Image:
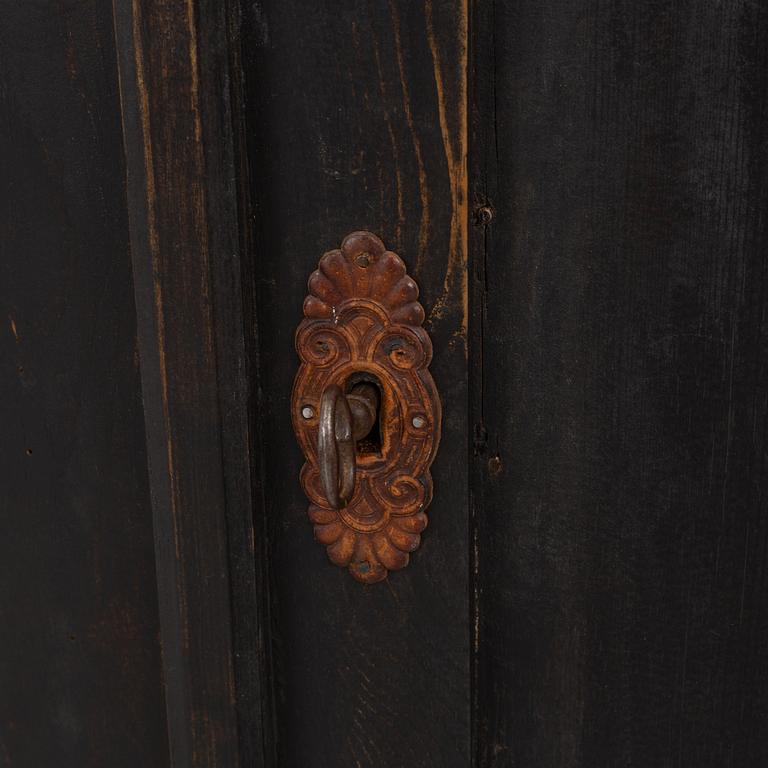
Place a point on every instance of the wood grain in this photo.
(355, 122)
(618, 377)
(178, 74)
(80, 677)
(591, 590)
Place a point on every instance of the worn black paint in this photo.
(343, 107)
(620, 298)
(591, 589)
(177, 76)
(80, 677)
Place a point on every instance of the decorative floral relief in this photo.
(362, 317)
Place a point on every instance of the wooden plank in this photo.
(178, 80)
(357, 120)
(80, 676)
(620, 400)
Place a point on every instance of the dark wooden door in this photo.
(357, 119)
(80, 661)
(579, 190)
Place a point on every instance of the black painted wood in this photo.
(357, 121)
(619, 376)
(591, 588)
(80, 680)
(178, 67)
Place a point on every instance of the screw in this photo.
(363, 260)
(307, 411)
(495, 465)
(483, 215)
(418, 421)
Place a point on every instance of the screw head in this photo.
(418, 422)
(307, 411)
(483, 215)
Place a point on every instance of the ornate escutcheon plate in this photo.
(363, 321)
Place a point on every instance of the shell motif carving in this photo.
(363, 319)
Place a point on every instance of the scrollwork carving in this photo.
(362, 318)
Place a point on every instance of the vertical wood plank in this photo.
(80, 676)
(357, 120)
(178, 64)
(619, 383)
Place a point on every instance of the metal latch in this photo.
(365, 408)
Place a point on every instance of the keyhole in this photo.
(365, 397)
(371, 443)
